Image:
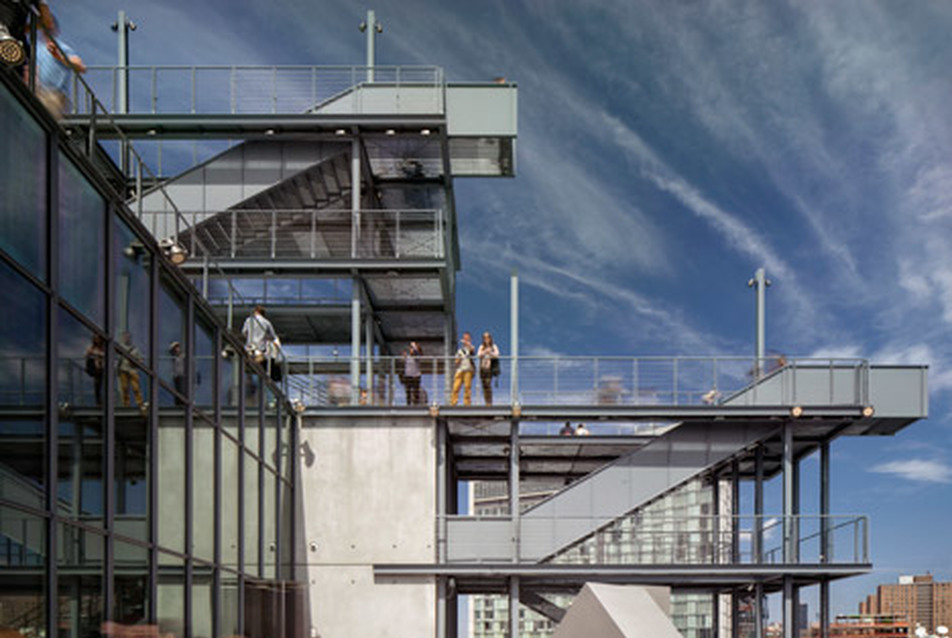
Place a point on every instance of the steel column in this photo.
(789, 547)
(513, 607)
(759, 610)
(758, 540)
(789, 613)
(355, 196)
(824, 609)
(355, 342)
(369, 349)
(514, 489)
(825, 544)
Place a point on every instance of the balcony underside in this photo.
(493, 578)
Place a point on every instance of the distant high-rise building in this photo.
(919, 598)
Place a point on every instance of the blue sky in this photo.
(666, 150)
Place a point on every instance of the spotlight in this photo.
(12, 52)
(175, 252)
(796, 411)
(868, 411)
(390, 131)
(298, 406)
(340, 131)
(425, 131)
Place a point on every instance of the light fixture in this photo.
(868, 411)
(425, 131)
(12, 52)
(390, 131)
(174, 251)
(270, 131)
(298, 406)
(796, 411)
(340, 131)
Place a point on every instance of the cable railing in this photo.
(236, 90)
(306, 233)
(725, 540)
(581, 380)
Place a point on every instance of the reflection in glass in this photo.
(80, 558)
(79, 486)
(286, 500)
(22, 162)
(22, 340)
(172, 340)
(171, 479)
(205, 358)
(202, 599)
(269, 528)
(228, 605)
(22, 593)
(230, 489)
(132, 262)
(81, 365)
(271, 452)
(203, 494)
(250, 502)
(129, 379)
(252, 421)
(132, 470)
(82, 232)
(228, 386)
(131, 597)
(170, 597)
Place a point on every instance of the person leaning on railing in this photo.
(55, 60)
(488, 356)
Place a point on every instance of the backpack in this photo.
(494, 368)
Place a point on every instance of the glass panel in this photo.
(228, 605)
(131, 596)
(22, 162)
(172, 342)
(269, 524)
(132, 261)
(79, 485)
(82, 232)
(205, 358)
(81, 366)
(171, 478)
(230, 491)
(202, 597)
(252, 421)
(23, 556)
(132, 455)
(250, 502)
(80, 558)
(287, 527)
(22, 340)
(170, 599)
(203, 494)
(270, 453)
(229, 383)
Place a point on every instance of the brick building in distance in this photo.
(919, 598)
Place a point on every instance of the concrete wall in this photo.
(369, 496)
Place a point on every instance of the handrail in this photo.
(600, 380)
(275, 89)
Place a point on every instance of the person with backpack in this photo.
(488, 356)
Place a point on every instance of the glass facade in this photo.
(140, 482)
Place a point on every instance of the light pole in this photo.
(122, 26)
(760, 283)
(371, 27)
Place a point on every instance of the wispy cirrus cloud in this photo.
(919, 470)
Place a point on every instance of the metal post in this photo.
(760, 283)
(825, 545)
(369, 349)
(355, 343)
(759, 610)
(513, 607)
(514, 489)
(514, 337)
(789, 548)
(758, 544)
(824, 609)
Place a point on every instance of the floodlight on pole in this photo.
(12, 52)
(371, 27)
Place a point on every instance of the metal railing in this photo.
(670, 540)
(579, 380)
(270, 89)
(306, 233)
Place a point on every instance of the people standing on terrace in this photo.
(464, 371)
(258, 333)
(55, 62)
(411, 372)
(488, 366)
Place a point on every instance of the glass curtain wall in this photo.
(145, 473)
